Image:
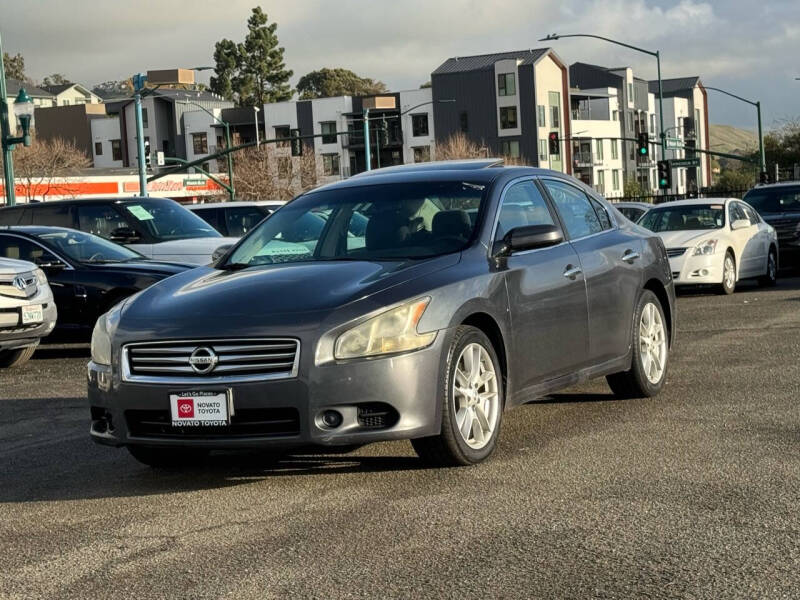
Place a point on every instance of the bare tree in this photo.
(271, 173)
(41, 166)
(459, 146)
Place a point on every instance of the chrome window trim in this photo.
(205, 382)
(67, 264)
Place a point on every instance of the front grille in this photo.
(245, 422)
(786, 229)
(673, 252)
(233, 360)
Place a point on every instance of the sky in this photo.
(746, 47)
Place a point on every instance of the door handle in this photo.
(630, 256)
(80, 292)
(572, 272)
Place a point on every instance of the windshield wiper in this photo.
(235, 266)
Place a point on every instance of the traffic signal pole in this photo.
(138, 84)
(368, 162)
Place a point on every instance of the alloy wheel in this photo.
(729, 272)
(652, 343)
(476, 396)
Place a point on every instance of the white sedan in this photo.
(715, 241)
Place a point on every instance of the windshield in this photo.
(776, 200)
(684, 218)
(88, 248)
(167, 220)
(376, 222)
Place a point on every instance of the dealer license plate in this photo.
(200, 409)
(32, 314)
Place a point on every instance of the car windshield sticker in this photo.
(140, 212)
(716, 206)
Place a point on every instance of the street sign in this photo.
(160, 158)
(684, 162)
(674, 143)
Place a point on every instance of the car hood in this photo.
(145, 267)
(259, 296)
(192, 247)
(10, 266)
(683, 239)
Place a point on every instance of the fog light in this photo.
(331, 418)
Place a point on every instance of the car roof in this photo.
(646, 205)
(124, 200)
(35, 230)
(780, 184)
(439, 165)
(695, 202)
(235, 204)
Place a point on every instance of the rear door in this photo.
(611, 263)
(546, 293)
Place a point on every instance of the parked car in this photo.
(234, 219)
(158, 228)
(88, 274)
(779, 205)
(427, 328)
(27, 311)
(633, 210)
(715, 241)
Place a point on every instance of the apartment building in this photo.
(507, 102)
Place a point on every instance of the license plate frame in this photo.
(192, 408)
(32, 313)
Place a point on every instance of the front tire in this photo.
(728, 285)
(10, 359)
(167, 458)
(770, 278)
(472, 403)
(648, 370)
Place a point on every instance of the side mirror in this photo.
(124, 235)
(740, 224)
(528, 237)
(220, 252)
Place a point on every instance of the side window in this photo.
(19, 249)
(751, 214)
(523, 205)
(10, 216)
(100, 219)
(53, 216)
(579, 217)
(602, 214)
(736, 212)
(242, 220)
(209, 215)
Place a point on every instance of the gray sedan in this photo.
(469, 291)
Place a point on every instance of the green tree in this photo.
(15, 66)
(114, 89)
(326, 83)
(782, 145)
(253, 72)
(55, 79)
(427, 84)
(633, 188)
(734, 179)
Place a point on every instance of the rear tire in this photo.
(650, 359)
(10, 359)
(770, 278)
(728, 285)
(167, 458)
(472, 403)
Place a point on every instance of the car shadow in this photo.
(55, 351)
(575, 398)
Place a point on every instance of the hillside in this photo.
(726, 138)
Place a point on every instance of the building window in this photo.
(506, 84)
(652, 124)
(508, 117)
(615, 115)
(200, 143)
(510, 148)
(599, 150)
(282, 132)
(630, 92)
(284, 167)
(145, 122)
(614, 149)
(116, 149)
(422, 154)
(697, 124)
(541, 115)
(328, 129)
(98, 148)
(419, 125)
(542, 148)
(601, 181)
(615, 179)
(330, 164)
(554, 98)
(464, 122)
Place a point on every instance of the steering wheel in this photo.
(96, 255)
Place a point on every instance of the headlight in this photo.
(40, 276)
(101, 335)
(706, 247)
(393, 331)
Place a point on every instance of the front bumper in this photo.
(696, 270)
(388, 398)
(19, 336)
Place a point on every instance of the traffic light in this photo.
(555, 146)
(664, 175)
(297, 143)
(643, 145)
(147, 158)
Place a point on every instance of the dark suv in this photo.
(779, 205)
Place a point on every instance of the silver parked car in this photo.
(469, 291)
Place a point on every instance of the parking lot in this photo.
(691, 494)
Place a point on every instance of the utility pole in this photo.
(368, 163)
(138, 85)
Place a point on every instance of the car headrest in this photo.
(451, 223)
(385, 229)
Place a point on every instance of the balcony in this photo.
(585, 159)
(355, 139)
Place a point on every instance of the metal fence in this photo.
(660, 198)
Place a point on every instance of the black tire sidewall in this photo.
(466, 335)
(637, 369)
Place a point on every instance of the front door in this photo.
(546, 294)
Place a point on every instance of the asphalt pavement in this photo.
(693, 494)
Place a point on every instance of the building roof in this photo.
(57, 89)
(194, 95)
(13, 86)
(673, 86)
(460, 64)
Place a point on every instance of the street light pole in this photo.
(368, 162)
(138, 85)
(757, 104)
